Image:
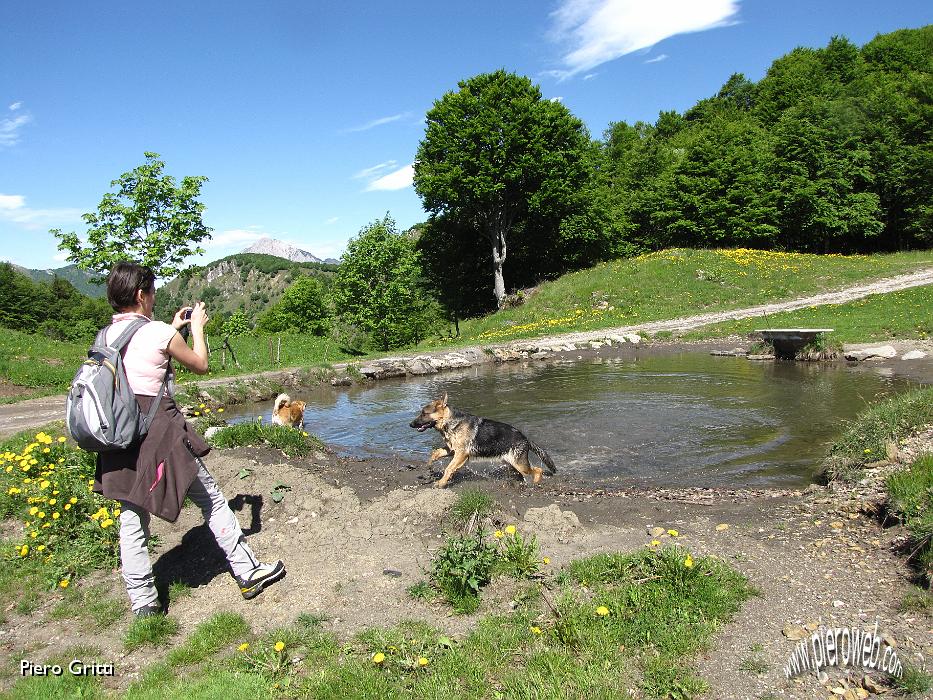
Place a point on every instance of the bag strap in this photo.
(124, 338)
(158, 399)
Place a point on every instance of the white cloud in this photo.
(13, 209)
(375, 170)
(10, 126)
(376, 122)
(332, 220)
(233, 237)
(557, 99)
(590, 76)
(657, 59)
(397, 180)
(597, 31)
(60, 257)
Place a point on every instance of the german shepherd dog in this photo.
(466, 436)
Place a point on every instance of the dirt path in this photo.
(817, 557)
(36, 412)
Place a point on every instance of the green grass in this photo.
(910, 499)
(292, 442)
(156, 630)
(64, 687)
(893, 316)
(469, 503)
(679, 282)
(43, 365)
(89, 605)
(864, 439)
(914, 681)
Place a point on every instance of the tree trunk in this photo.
(498, 258)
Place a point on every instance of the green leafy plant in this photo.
(462, 567)
(518, 557)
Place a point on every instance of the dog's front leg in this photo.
(437, 454)
(460, 458)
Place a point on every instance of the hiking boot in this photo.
(147, 611)
(256, 580)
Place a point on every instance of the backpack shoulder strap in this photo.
(127, 334)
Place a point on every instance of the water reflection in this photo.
(686, 419)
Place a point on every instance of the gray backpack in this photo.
(101, 410)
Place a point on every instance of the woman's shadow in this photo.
(197, 559)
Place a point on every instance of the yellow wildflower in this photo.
(279, 646)
(63, 583)
(24, 550)
(498, 534)
(602, 611)
(547, 561)
(33, 510)
(53, 501)
(67, 506)
(378, 657)
(73, 499)
(654, 543)
(62, 439)
(243, 647)
(422, 661)
(673, 533)
(535, 630)
(688, 562)
(510, 529)
(220, 410)
(107, 523)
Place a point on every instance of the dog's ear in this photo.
(443, 401)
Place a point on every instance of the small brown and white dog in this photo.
(288, 412)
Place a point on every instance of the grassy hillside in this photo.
(679, 282)
(249, 281)
(80, 279)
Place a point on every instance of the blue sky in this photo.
(306, 116)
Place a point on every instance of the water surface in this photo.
(681, 419)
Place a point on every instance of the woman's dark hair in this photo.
(124, 280)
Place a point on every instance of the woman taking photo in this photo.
(154, 476)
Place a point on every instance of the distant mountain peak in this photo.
(281, 249)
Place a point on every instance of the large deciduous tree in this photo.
(148, 219)
(496, 151)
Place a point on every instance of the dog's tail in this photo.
(282, 400)
(545, 457)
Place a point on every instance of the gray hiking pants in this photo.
(134, 538)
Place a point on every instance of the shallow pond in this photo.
(658, 419)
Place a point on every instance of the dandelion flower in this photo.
(602, 611)
(243, 647)
(73, 499)
(62, 438)
(423, 661)
(33, 510)
(673, 533)
(56, 515)
(197, 413)
(654, 543)
(63, 583)
(107, 523)
(498, 534)
(546, 561)
(220, 410)
(24, 550)
(688, 562)
(510, 529)
(535, 630)
(378, 657)
(279, 646)
(67, 506)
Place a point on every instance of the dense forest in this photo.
(831, 151)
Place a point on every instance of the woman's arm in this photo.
(194, 358)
